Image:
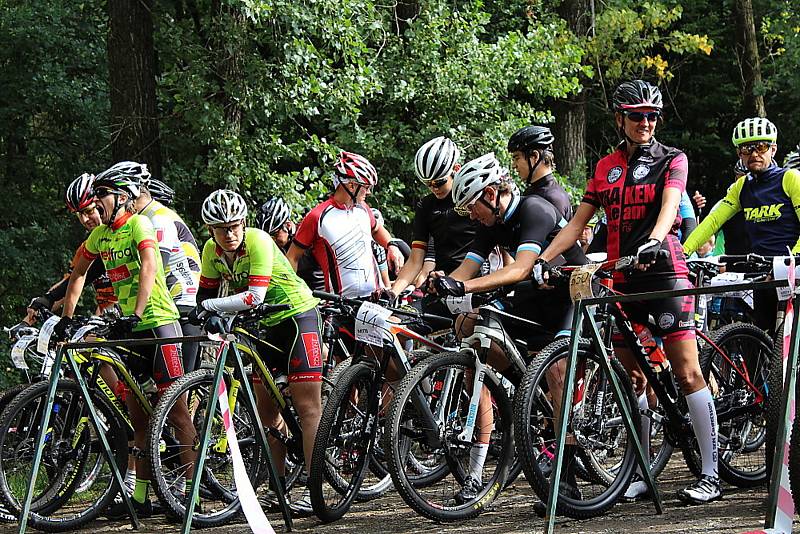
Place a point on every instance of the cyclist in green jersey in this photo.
(127, 245)
(256, 271)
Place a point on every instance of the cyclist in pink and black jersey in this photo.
(639, 185)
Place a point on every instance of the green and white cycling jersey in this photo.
(119, 246)
(179, 253)
(259, 272)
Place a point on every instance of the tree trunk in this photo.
(570, 113)
(747, 51)
(132, 72)
(404, 12)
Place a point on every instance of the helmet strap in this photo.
(532, 167)
(352, 194)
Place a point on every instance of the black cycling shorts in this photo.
(293, 346)
(673, 317)
(164, 363)
(550, 308)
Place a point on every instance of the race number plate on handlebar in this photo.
(46, 332)
(580, 282)
(371, 325)
(780, 271)
(18, 351)
(459, 304)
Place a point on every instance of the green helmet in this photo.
(754, 129)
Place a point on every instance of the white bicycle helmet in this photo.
(754, 129)
(124, 177)
(435, 159)
(792, 160)
(223, 206)
(272, 215)
(472, 179)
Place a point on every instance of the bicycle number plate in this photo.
(18, 351)
(43, 345)
(371, 325)
(580, 282)
(780, 271)
(459, 304)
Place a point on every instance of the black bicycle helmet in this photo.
(637, 94)
(161, 191)
(530, 138)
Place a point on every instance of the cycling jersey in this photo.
(118, 246)
(258, 264)
(630, 191)
(549, 189)
(96, 275)
(340, 239)
(771, 205)
(178, 251)
(688, 218)
(436, 220)
(529, 223)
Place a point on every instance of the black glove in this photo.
(646, 254)
(383, 294)
(198, 315)
(14, 331)
(40, 302)
(122, 327)
(541, 272)
(60, 329)
(215, 325)
(448, 286)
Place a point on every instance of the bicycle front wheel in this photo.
(175, 430)
(72, 448)
(442, 386)
(593, 433)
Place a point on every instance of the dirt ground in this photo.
(739, 511)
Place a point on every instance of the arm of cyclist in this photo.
(411, 269)
(511, 274)
(147, 276)
(791, 186)
(719, 215)
(688, 217)
(261, 259)
(77, 279)
(395, 258)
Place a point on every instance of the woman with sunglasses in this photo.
(639, 186)
(435, 218)
(769, 196)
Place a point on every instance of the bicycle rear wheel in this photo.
(72, 446)
(535, 423)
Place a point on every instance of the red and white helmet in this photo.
(351, 167)
(79, 193)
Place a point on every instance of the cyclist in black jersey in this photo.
(436, 220)
(532, 156)
(523, 226)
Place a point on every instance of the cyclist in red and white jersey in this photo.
(340, 230)
(640, 185)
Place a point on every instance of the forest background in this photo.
(259, 96)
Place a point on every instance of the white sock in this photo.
(644, 429)
(704, 421)
(130, 481)
(477, 456)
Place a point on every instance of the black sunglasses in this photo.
(439, 182)
(638, 116)
(100, 193)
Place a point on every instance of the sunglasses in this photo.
(761, 147)
(435, 184)
(639, 116)
(87, 210)
(101, 193)
(230, 229)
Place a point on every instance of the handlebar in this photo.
(356, 303)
